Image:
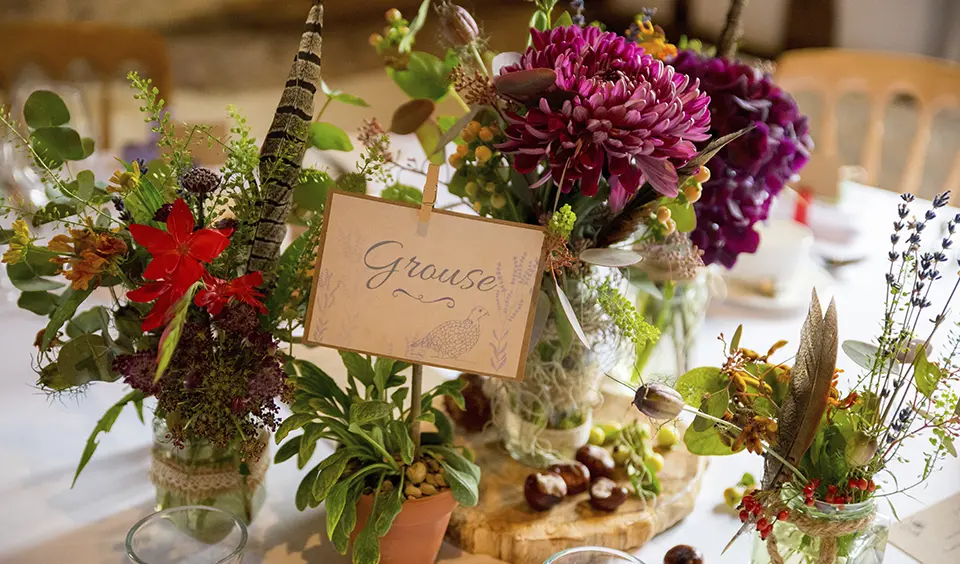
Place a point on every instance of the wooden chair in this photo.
(54, 46)
(831, 73)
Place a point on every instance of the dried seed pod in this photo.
(658, 401)
(597, 460)
(607, 495)
(457, 25)
(543, 490)
(575, 475)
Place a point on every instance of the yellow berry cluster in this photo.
(396, 29)
(691, 192)
(474, 161)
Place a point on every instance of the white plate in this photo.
(795, 296)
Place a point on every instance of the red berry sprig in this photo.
(751, 507)
(809, 492)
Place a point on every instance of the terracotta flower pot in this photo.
(417, 531)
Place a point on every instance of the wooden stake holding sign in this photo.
(425, 286)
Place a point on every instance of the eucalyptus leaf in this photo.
(44, 108)
(411, 115)
(429, 136)
(567, 309)
(61, 143)
(312, 195)
(540, 317)
(705, 443)
(38, 302)
(563, 20)
(611, 257)
(328, 137)
(683, 215)
(402, 193)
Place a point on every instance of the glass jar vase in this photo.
(198, 473)
(676, 308)
(846, 534)
(545, 417)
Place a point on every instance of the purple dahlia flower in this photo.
(748, 173)
(613, 109)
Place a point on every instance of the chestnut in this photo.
(574, 474)
(607, 495)
(597, 460)
(543, 490)
(683, 554)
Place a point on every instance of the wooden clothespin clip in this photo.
(429, 198)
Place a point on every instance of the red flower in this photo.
(218, 293)
(165, 292)
(178, 251)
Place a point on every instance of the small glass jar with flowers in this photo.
(828, 453)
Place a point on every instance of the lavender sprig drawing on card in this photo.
(510, 302)
(324, 296)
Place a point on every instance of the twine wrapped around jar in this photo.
(828, 531)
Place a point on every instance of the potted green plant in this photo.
(389, 489)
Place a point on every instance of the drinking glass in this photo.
(592, 555)
(170, 537)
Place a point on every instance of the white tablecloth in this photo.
(43, 521)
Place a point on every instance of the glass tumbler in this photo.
(169, 537)
(592, 555)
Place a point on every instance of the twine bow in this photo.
(828, 531)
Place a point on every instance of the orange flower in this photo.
(88, 253)
(754, 433)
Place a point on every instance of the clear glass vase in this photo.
(197, 473)
(545, 417)
(863, 538)
(676, 308)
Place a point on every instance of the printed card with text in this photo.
(456, 292)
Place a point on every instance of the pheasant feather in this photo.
(806, 399)
(285, 144)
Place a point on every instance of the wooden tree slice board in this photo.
(504, 527)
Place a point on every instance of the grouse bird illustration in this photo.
(453, 338)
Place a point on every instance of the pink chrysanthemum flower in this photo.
(612, 111)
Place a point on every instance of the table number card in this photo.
(452, 291)
(932, 536)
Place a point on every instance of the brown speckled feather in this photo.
(285, 144)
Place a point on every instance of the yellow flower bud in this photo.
(663, 214)
(477, 206)
(498, 201)
(468, 136)
(455, 160)
(671, 226)
(486, 135)
(692, 193)
(483, 154)
(462, 150)
(403, 30)
(490, 187)
(666, 438)
(703, 174)
(474, 127)
(375, 39)
(393, 15)
(472, 189)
